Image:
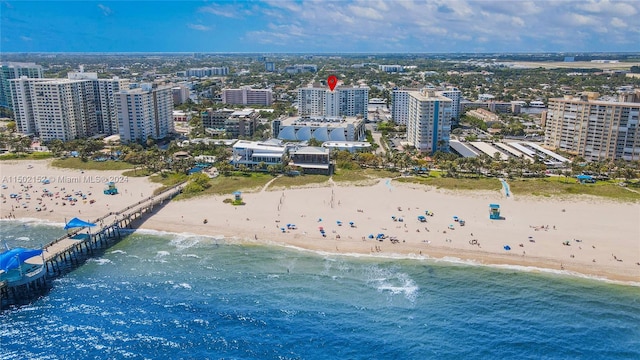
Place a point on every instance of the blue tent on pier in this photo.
(12, 259)
(76, 223)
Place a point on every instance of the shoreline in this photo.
(532, 266)
(537, 230)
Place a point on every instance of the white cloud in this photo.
(106, 11)
(365, 12)
(619, 23)
(447, 25)
(222, 10)
(620, 8)
(25, 38)
(199, 27)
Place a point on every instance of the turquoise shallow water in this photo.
(166, 295)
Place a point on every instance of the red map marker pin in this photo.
(332, 81)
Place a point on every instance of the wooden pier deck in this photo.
(71, 250)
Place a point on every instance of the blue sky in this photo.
(320, 26)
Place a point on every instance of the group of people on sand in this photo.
(541, 227)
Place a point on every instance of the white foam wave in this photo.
(452, 260)
(390, 280)
(162, 253)
(101, 261)
(35, 221)
(23, 238)
(185, 242)
(118, 252)
(182, 286)
(176, 234)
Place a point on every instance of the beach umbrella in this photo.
(320, 219)
(371, 236)
(507, 247)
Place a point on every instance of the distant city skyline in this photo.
(282, 26)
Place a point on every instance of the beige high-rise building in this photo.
(245, 95)
(593, 129)
(66, 109)
(145, 112)
(429, 121)
(342, 101)
(61, 109)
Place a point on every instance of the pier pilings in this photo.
(70, 251)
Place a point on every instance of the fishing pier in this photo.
(71, 250)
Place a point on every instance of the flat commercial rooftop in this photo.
(512, 151)
(550, 153)
(462, 149)
(334, 121)
(489, 149)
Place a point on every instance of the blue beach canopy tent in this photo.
(585, 179)
(12, 259)
(75, 223)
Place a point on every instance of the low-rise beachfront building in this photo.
(345, 128)
(312, 159)
(350, 146)
(255, 153)
(484, 115)
(232, 122)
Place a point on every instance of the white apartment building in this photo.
(594, 129)
(15, 70)
(247, 96)
(22, 102)
(61, 109)
(206, 72)
(400, 103)
(339, 102)
(145, 112)
(180, 94)
(354, 101)
(311, 101)
(455, 95)
(104, 99)
(429, 121)
(391, 68)
(332, 103)
(301, 68)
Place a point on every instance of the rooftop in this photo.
(320, 121)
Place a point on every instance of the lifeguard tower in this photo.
(494, 212)
(111, 189)
(237, 198)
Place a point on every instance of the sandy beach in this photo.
(585, 235)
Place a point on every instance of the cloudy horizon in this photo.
(302, 26)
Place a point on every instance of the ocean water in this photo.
(155, 296)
